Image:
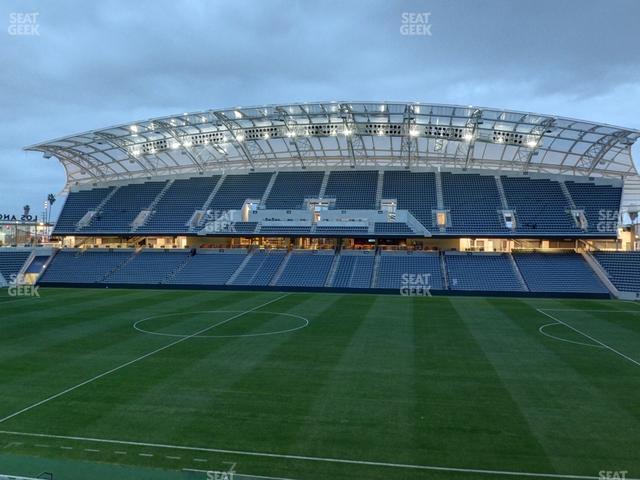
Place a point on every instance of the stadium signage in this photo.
(9, 217)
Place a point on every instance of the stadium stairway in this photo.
(281, 268)
(603, 275)
(332, 271)
(241, 267)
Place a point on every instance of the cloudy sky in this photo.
(94, 64)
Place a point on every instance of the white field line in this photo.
(635, 362)
(237, 475)
(587, 310)
(310, 459)
(135, 360)
(542, 331)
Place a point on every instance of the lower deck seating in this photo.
(558, 273)
(11, 263)
(91, 266)
(260, 268)
(402, 269)
(354, 271)
(148, 267)
(393, 270)
(209, 268)
(306, 269)
(482, 272)
(623, 269)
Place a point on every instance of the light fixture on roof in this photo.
(499, 140)
(347, 132)
(134, 128)
(468, 136)
(237, 113)
(414, 132)
(291, 134)
(380, 132)
(532, 143)
(266, 136)
(240, 137)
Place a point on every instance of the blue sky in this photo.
(95, 64)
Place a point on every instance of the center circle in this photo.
(296, 322)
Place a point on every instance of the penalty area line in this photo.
(136, 360)
(343, 461)
(635, 362)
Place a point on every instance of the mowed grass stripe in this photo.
(575, 422)
(470, 417)
(75, 342)
(267, 406)
(117, 368)
(369, 391)
(453, 382)
(183, 381)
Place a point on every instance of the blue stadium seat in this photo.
(260, 268)
(11, 262)
(244, 227)
(623, 269)
(393, 228)
(482, 272)
(89, 266)
(341, 230)
(354, 270)
(149, 267)
(291, 188)
(353, 189)
(540, 206)
(123, 207)
(178, 204)
(237, 188)
(600, 203)
(76, 206)
(211, 268)
(306, 269)
(558, 273)
(415, 192)
(284, 230)
(396, 267)
(473, 202)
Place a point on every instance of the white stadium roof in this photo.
(345, 134)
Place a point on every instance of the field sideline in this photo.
(170, 384)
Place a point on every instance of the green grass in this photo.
(452, 382)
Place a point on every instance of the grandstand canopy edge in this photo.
(345, 134)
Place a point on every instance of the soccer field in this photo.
(172, 384)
